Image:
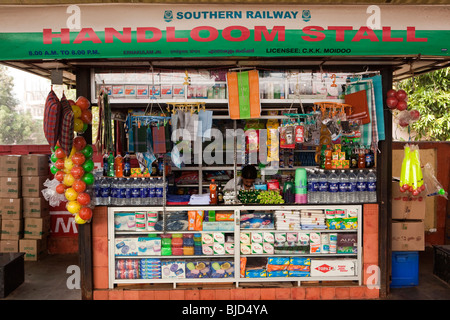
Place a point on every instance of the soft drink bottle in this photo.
(111, 172)
(212, 192)
(126, 165)
(118, 166)
(105, 165)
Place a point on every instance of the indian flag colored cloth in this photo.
(243, 95)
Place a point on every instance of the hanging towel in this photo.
(66, 131)
(243, 95)
(378, 94)
(140, 138)
(205, 124)
(358, 101)
(159, 139)
(191, 125)
(52, 118)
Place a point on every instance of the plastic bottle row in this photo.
(342, 186)
(129, 191)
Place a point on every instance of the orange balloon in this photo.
(60, 154)
(59, 164)
(60, 176)
(61, 188)
(85, 213)
(79, 185)
(83, 103)
(78, 158)
(83, 198)
(86, 116)
(77, 171)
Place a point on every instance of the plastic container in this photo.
(405, 269)
(188, 251)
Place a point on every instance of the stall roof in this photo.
(403, 66)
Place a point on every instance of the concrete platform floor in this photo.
(47, 279)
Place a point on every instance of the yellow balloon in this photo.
(78, 220)
(71, 194)
(68, 179)
(78, 125)
(72, 152)
(73, 207)
(76, 111)
(68, 163)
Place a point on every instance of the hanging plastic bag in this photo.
(433, 187)
(49, 192)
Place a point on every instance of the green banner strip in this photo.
(180, 44)
(244, 93)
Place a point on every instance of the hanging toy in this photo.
(411, 176)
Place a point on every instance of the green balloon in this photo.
(87, 151)
(88, 178)
(88, 165)
(53, 158)
(54, 169)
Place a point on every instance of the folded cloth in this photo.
(205, 124)
(178, 198)
(191, 125)
(159, 139)
(140, 138)
(199, 199)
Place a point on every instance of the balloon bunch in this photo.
(398, 100)
(81, 114)
(411, 177)
(74, 173)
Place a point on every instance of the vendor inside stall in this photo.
(246, 181)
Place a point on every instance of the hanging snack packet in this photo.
(272, 140)
(287, 137)
(299, 134)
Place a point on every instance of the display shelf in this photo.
(355, 258)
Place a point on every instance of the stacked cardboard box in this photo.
(408, 214)
(25, 219)
(36, 211)
(11, 214)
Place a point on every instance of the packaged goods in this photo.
(173, 269)
(125, 221)
(222, 269)
(198, 269)
(149, 246)
(126, 247)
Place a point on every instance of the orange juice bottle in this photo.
(118, 166)
(213, 192)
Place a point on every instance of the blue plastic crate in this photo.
(405, 269)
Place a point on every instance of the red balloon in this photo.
(78, 158)
(391, 93)
(83, 199)
(77, 171)
(85, 213)
(60, 188)
(60, 154)
(59, 164)
(414, 114)
(402, 105)
(391, 102)
(83, 103)
(60, 176)
(79, 185)
(401, 95)
(86, 116)
(79, 143)
(403, 122)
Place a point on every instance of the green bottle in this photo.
(111, 172)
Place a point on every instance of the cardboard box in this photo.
(408, 236)
(32, 186)
(11, 229)
(10, 166)
(36, 228)
(32, 248)
(35, 207)
(11, 208)
(10, 187)
(406, 207)
(7, 246)
(35, 165)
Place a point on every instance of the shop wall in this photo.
(437, 230)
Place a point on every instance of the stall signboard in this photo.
(91, 31)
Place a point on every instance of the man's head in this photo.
(249, 175)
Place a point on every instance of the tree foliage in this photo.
(430, 95)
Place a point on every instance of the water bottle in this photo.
(159, 192)
(343, 187)
(128, 197)
(323, 186)
(135, 192)
(152, 194)
(333, 187)
(105, 190)
(361, 187)
(351, 193)
(371, 186)
(313, 187)
(97, 191)
(144, 193)
(126, 165)
(114, 192)
(122, 194)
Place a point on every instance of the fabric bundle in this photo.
(66, 133)
(243, 95)
(52, 118)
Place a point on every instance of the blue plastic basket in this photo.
(405, 269)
